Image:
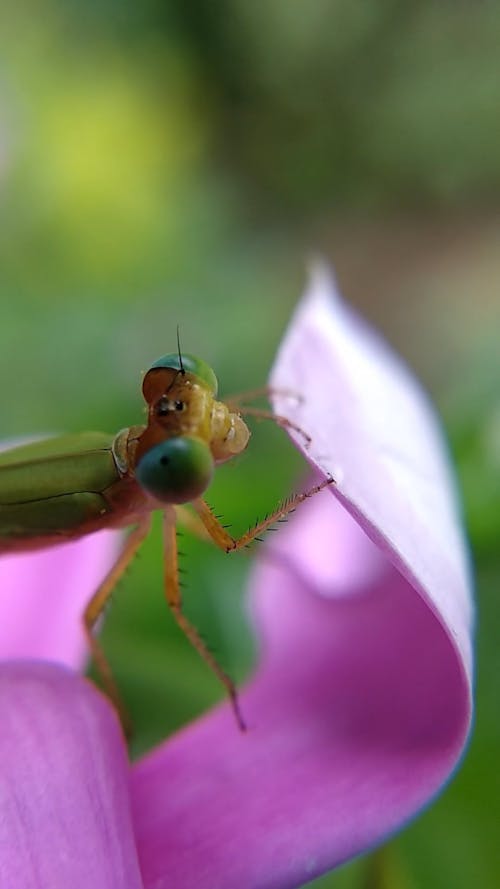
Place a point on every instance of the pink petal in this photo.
(362, 703)
(64, 785)
(375, 432)
(43, 596)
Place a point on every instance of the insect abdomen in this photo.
(54, 488)
(62, 515)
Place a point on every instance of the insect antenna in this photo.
(183, 371)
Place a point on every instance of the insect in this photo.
(63, 488)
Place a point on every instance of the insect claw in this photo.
(237, 712)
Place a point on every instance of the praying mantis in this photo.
(63, 488)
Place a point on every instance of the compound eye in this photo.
(176, 470)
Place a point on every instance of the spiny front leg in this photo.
(228, 543)
(173, 594)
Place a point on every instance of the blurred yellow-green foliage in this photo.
(171, 163)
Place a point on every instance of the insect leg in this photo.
(173, 594)
(97, 604)
(228, 543)
(191, 522)
(235, 401)
(284, 422)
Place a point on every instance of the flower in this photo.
(361, 704)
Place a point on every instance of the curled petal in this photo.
(64, 784)
(374, 431)
(361, 704)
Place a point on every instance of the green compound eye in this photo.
(191, 365)
(177, 470)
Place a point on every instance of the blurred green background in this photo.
(171, 163)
